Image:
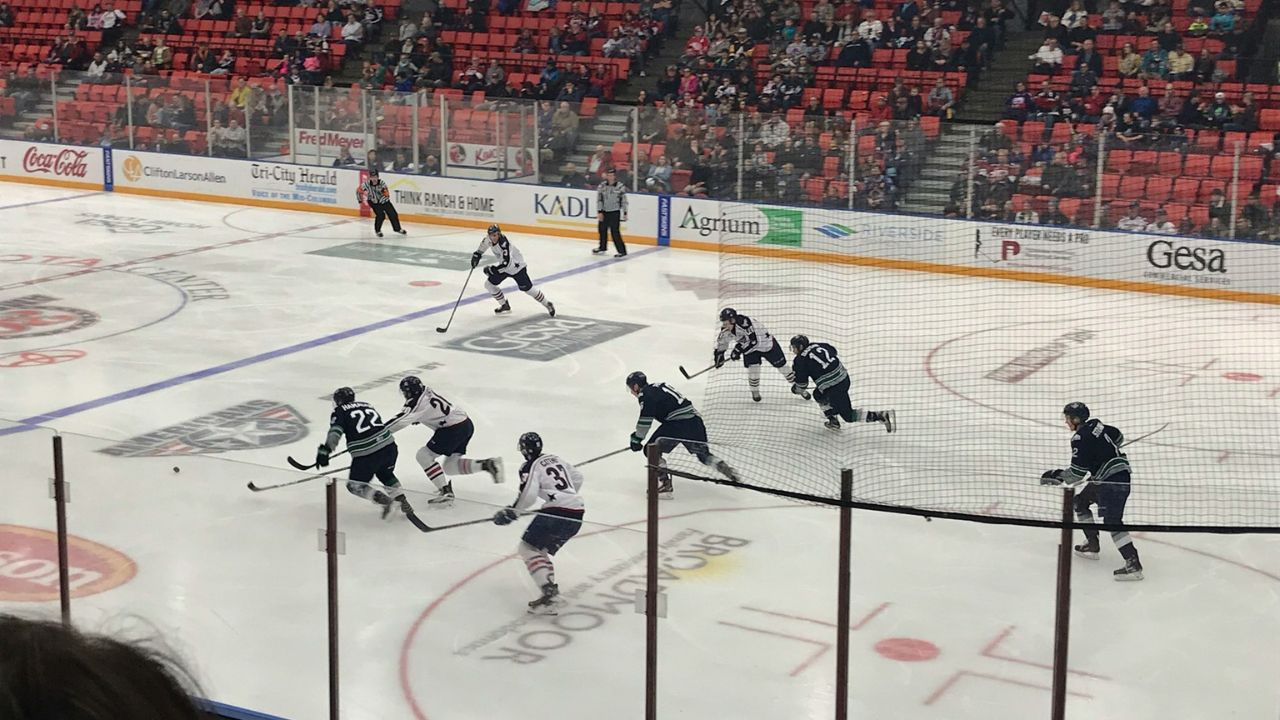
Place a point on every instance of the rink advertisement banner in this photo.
(328, 144)
(48, 164)
(485, 162)
(261, 183)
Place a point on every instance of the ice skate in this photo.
(444, 499)
(755, 394)
(548, 603)
(503, 308)
(598, 251)
(665, 490)
(493, 466)
(403, 231)
(889, 418)
(832, 424)
(402, 502)
(727, 471)
(378, 233)
(1132, 570)
(797, 390)
(1088, 549)
(551, 309)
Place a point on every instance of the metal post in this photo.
(53, 93)
(1097, 178)
(1235, 191)
(537, 144)
(248, 127)
(315, 94)
(293, 129)
(60, 501)
(373, 123)
(128, 108)
(635, 149)
(444, 136)
(364, 128)
(1062, 609)
(651, 588)
(853, 160)
(413, 124)
(971, 173)
(331, 549)
(742, 149)
(208, 119)
(498, 146)
(843, 594)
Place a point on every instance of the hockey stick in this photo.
(299, 466)
(1140, 438)
(417, 521)
(687, 376)
(601, 457)
(299, 481)
(459, 302)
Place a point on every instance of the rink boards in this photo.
(1136, 262)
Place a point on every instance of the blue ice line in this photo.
(35, 420)
(52, 200)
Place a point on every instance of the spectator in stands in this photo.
(207, 9)
(1143, 105)
(1218, 113)
(918, 57)
(1161, 224)
(1155, 61)
(1168, 107)
(1132, 220)
(282, 47)
(321, 28)
(1197, 26)
(1026, 214)
(941, 101)
(1219, 208)
(1053, 215)
(1048, 58)
(871, 29)
(1181, 64)
(1088, 57)
(856, 53)
(658, 177)
(1223, 21)
(260, 27)
(436, 73)
(1244, 117)
(353, 32)
(1129, 63)
(1018, 105)
(162, 55)
(1215, 228)
(234, 138)
(431, 166)
(6, 15)
(96, 73)
(572, 177)
(697, 45)
(240, 93)
(345, 158)
(1205, 67)
(563, 130)
(1192, 113)
(242, 24)
(1046, 105)
(113, 21)
(226, 64)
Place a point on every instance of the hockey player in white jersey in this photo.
(742, 338)
(452, 432)
(510, 265)
(558, 484)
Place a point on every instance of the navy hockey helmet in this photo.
(530, 445)
(799, 343)
(344, 395)
(637, 379)
(728, 315)
(373, 172)
(494, 229)
(411, 388)
(1076, 410)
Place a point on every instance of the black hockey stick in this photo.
(1140, 438)
(417, 521)
(299, 481)
(459, 302)
(299, 466)
(687, 376)
(601, 457)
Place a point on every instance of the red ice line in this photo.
(994, 645)
(960, 674)
(170, 255)
(823, 647)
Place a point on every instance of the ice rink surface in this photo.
(155, 335)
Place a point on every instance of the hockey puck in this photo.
(176, 469)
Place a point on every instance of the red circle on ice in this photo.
(907, 649)
(424, 283)
(29, 565)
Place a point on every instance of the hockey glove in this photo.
(737, 353)
(491, 272)
(505, 516)
(637, 443)
(1051, 477)
(718, 356)
(322, 456)
(475, 259)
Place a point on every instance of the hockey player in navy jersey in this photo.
(819, 362)
(680, 424)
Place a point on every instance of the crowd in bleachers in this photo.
(1155, 90)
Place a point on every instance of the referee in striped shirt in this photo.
(378, 196)
(611, 200)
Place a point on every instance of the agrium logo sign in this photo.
(61, 163)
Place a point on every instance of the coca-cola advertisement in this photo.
(52, 164)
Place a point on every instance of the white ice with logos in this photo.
(181, 350)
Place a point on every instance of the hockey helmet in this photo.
(728, 315)
(344, 395)
(373, 172)
(494, 229)
(530, 445)
(411, 388)
(637, 379)
(1076, 410)
(799, 343)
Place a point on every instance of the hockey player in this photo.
(819, 362)
(453, 431)
(373, 451)
(1096, 453)
(746, 340)
(681, 425)
(510, 265)
(558, 484)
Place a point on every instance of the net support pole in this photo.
(1097, 179)
(413, 126)
(654, 455)
(128, 109)
(972, 174)
(1062, 608)
(742, 151)
(844, 575)
(853, 159)
(1235, 191)
(332, 540)
(53, 93)
(444, 136)
(60, 510)
(635, 149)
